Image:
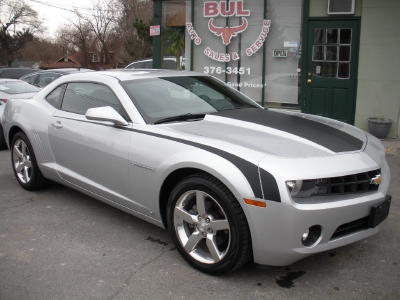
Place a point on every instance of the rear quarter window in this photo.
(55, 97)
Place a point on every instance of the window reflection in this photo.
(319, 35)
(332, 36)
(319, 53)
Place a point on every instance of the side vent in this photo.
(341, 7)
(40, 153)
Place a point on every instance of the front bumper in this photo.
(277, 239)
(277, 230)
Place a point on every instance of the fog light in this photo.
(305, 235)
(311, 235)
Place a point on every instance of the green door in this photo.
(331, 69)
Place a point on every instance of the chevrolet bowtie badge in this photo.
(376, 180)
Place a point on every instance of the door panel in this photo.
(331, 69)
(339, 104)
(91, 155)
(317, 94)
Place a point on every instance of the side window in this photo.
(46, 78)
(169, 64)
(55, 97)
(79, 97)
(148, 65)
(27, 71)
(29, 79)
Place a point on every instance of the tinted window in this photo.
(148, 64)
(169, 64)
(55, 97)
(17, 87)
(79, 97)
(27, 71)
(46, 78)
(158, 98)
(11, 73)
(30, 78)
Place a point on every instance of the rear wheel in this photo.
(24, 163)
(208, 225)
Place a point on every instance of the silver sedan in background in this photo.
(13, 89)
(232, 181)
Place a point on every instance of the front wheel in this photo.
(208, 225)
(24, 163)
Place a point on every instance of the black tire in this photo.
(217, 249)
(22, 156)
(3, 144)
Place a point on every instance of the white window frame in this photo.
(96, 58)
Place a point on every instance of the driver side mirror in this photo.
(105, 114)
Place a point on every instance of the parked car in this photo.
(13, 89)
(15, 73)
(44, 77)
(169, 62)
(231, 181)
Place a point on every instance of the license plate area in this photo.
(379, 212)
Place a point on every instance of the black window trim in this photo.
(125, 114)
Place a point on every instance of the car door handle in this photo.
(57, 124)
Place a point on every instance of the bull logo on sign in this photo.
(226, 33)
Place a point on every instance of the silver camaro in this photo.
(231, 181)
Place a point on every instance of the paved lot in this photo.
(60, 244)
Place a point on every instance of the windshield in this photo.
(17, 87)
(164, 97)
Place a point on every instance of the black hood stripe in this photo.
(321, 134)
(249, 170)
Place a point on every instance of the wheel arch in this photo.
(12, 132)
(168, 185)
(233, 179)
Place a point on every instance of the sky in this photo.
(54, 12)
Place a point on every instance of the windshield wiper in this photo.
(183, 117)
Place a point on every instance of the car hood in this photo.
(283, 134)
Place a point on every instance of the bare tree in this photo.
(40, 49)
(102, 19)
(135, 20)
(18, 24)
(78, 36)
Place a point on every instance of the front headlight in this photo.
(307, 188)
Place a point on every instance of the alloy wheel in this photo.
(22, 161)
(202, 227)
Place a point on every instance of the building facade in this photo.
(334, 58)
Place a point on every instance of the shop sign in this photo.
(214, 9)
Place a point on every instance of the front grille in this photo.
(357, 183)
(351, 227)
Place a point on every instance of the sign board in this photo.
(288, 44)
(155, 30)
(279, 53)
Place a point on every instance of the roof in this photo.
(63, 65)
(129, 74)
(67, 61)
(63, 71)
